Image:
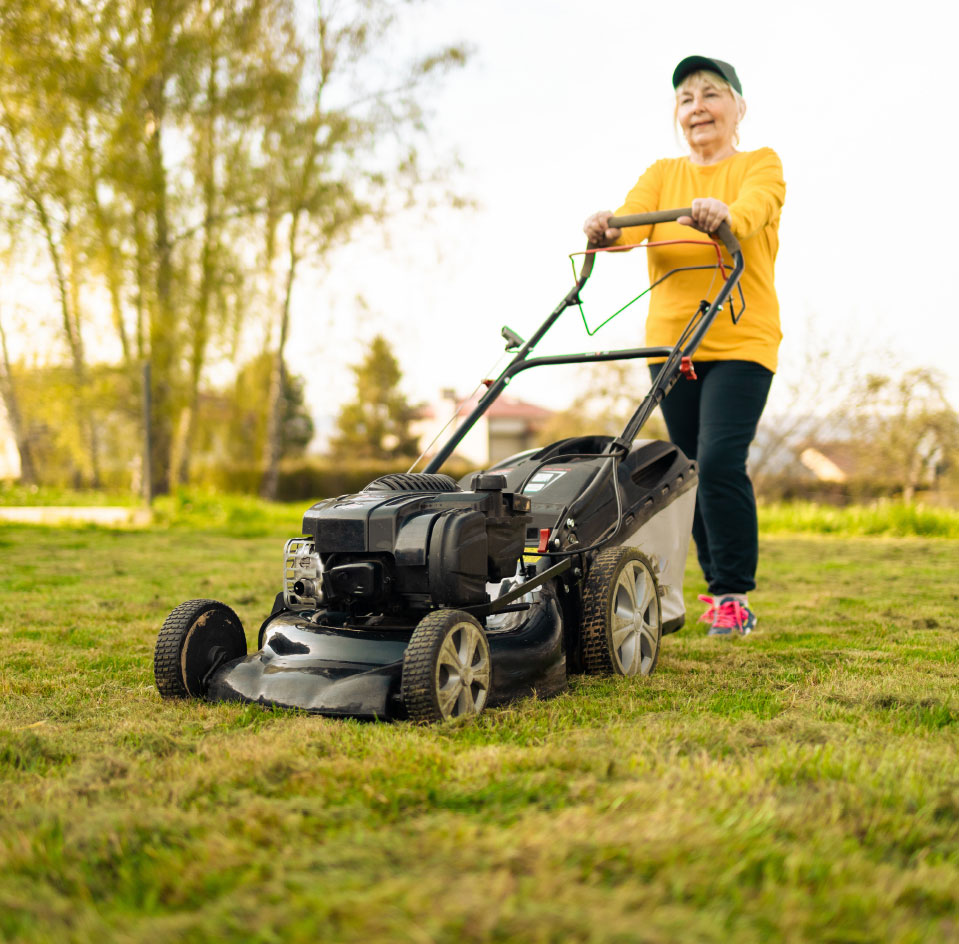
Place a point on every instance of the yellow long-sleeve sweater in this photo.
(751, 184)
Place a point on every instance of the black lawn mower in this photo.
(424, 598)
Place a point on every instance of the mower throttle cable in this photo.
(459, 404)
(590, 253)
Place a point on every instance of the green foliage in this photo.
(797, 487)
(376, 424)
(242, 438)
(49, 405)
(321, 477)
(310, 480)
(907, 432)
(797, 785)
(894, 436)
(230, 425)
(175, 162)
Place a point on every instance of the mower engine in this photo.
(408, 543)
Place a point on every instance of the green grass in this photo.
(12, 493)
(800, 784)
(190, 510)
(886, 518)
(196, 509)
(240, 515)
(248, 514)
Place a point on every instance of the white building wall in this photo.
(474, 447)
(9, 456)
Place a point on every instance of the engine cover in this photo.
(418, 549)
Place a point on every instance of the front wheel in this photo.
(447, 671)
(195, 639)
(622, 614)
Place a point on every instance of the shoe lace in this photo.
(731, 615)
(707, 617)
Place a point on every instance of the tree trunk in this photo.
(142, 283)
(273, 448)
(86, 415)
(162, 331)
(201, 321)
(65, 293)
(107, 241)
(28, 469)
(71, 330)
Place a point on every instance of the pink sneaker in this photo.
(710, 613)
(731, 616)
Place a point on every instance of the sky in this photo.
(564, 104)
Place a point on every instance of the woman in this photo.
(713, 419)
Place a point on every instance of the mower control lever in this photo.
(668, 216)
(513, 341)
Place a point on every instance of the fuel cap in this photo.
(488, 482)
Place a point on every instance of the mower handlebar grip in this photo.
(648, 219)
(668, 216)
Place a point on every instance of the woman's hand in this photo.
(599, 233)
(708, 213)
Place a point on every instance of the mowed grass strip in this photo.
(800, 784)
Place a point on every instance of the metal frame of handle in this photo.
(675, 355)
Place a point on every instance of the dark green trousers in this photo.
(713, 420)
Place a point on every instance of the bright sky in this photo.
(566, 102)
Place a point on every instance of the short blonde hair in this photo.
(703, 76)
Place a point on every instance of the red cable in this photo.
(660, 242)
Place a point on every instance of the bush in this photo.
(793, 488)
(308, 479)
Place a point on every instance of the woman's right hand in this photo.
(597, 230)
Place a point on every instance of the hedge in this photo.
(310, 479)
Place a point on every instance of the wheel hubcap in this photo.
(635, 621)
(463, 671)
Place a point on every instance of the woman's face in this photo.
(707, 114)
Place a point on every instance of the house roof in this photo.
(842, 456)
(504, 406)
(824, 468)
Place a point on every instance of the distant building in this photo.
(507, 427)
(826, 468)
(9, 456)
(813, 449)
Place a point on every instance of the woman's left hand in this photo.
(708, 213)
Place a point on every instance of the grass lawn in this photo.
(800, 784)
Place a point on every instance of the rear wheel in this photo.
(446, 668)
(622, 614)
(196, 638)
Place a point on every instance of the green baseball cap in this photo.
(693, 64)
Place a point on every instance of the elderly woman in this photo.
(713, 419)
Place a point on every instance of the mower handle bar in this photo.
(666, 377)
(668, 216)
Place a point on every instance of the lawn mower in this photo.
(426, 598)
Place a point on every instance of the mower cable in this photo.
(617, 521)
(670, 369)
(457, 406)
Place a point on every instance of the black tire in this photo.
(622, 614)
(447, 671)
(195, 637)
